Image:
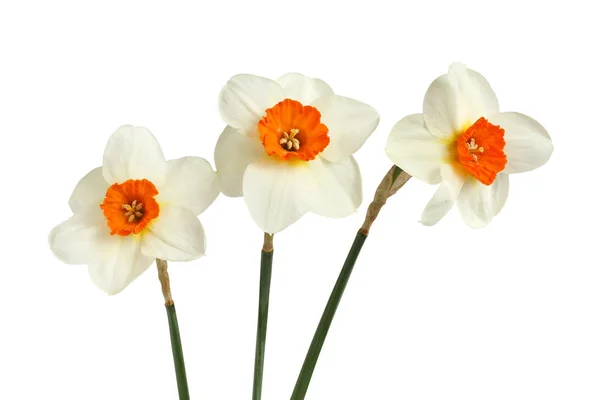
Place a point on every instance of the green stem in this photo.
(182, 385)
(165, 284)
(391, 183)
(266, 266)
(332, 304)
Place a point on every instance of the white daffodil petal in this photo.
(82, 239)
(122, 263)
(244, 100)
(439, 109)
(233, 153)
(337, 190)
(455, 101)
(499, 193)
(350, 123)
(277, 192)
(176, 235)
(528, 145)
(476, 202)
(191, 183)
(303, 89)
(475, 95)
(445, 196)
(411, 147)
(89, 192)
(132, 152)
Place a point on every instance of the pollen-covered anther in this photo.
(133, 210)
(473, 147)
(288, 141)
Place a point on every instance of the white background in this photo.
(445, 312)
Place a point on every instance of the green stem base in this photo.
(266, 266)
(182, 385)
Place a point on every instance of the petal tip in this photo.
(457, 66)
(425, 222)
(124, 127)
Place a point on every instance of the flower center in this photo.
(293, 131)
(129, 206)
(289, 141)
(480, 150)
(474, 148)
(133, 212)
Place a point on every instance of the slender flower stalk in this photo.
(266, 266)
(182, 385)
(391, 183)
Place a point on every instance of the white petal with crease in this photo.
(337, 187)
(499, 193)
(455, 101)
(277, 193)
(191, 183)
(475, 204)
(132, 152)
(81, 239)
(122, 263)
(350, 123)
(233, 153)
(445, 196)
(479, 203)
(303, 89)
(176, 235)
(414, 149)
(244, 100)
(89, 192)
(528, 145)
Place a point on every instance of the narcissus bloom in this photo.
(288, 148)
(135, 208)
(465, 143)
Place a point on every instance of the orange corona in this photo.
(130, 206)
(480, 150)
(291, 131)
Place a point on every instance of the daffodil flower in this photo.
(134, 209)
(465, 143)
(288, 148)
